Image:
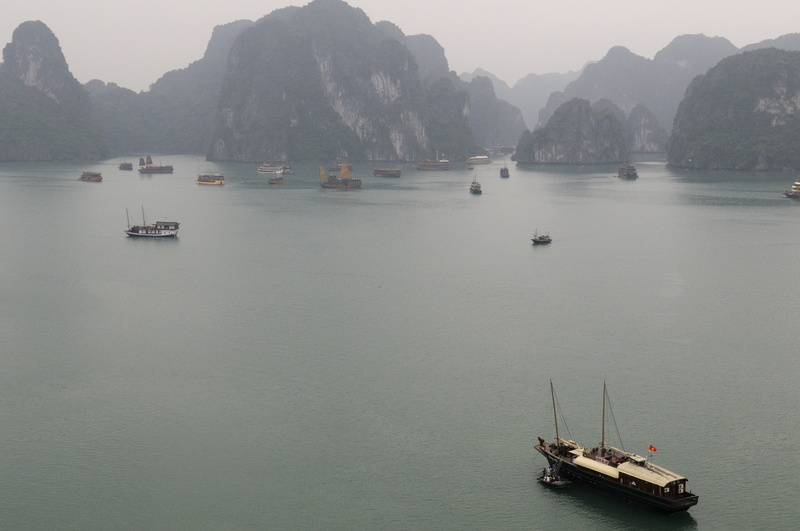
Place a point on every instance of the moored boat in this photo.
(551, 478)
(475, 187)
(147, 166)
(437, 164)
(274, 170)
(210, 178)
(159, 229)
(91, 177)
(275, 179)
(479, 159)
(622, 475)
(627, 171)
(386, 172)
(541, 239)
(794, 193)
(127, 166)
(343, 181)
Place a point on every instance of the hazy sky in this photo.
(133, 43)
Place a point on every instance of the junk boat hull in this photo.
(614, 488)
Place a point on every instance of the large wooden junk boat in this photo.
(159, 229)
(344, 181)
(794, 193)
(91, 177)
(622, 475)
(147, 166)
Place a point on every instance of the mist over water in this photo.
(380, 358)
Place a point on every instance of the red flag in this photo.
(652, 448)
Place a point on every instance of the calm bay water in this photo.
(301, 358)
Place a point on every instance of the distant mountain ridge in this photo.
(385, 96)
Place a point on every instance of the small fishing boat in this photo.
(210, 178)
(126, 166)
(475, 187)
(91, 177)
(551, 478)
(159, 229)
(504, 172)
(541, 239)
(277, 179)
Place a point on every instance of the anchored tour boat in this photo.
(344, 181)
(622, 475)
(475, 187)
(627, 171)
(541, 239)
(91, 177)
(210, 178)
(159, 229)
(434, 165)
(386, 172)
(794, 193)
(147, 166)
(479, 159)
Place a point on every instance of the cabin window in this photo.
(666, 490)
(680, 488)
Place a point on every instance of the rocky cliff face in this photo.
(744, 114)
(494, 122)
(48, 114)
(323, 82)
(644, 134)
(34, 57)
(578, 133)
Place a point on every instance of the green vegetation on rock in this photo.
(744, 114)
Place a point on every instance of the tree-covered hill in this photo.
(744, 114)
(45, 114)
